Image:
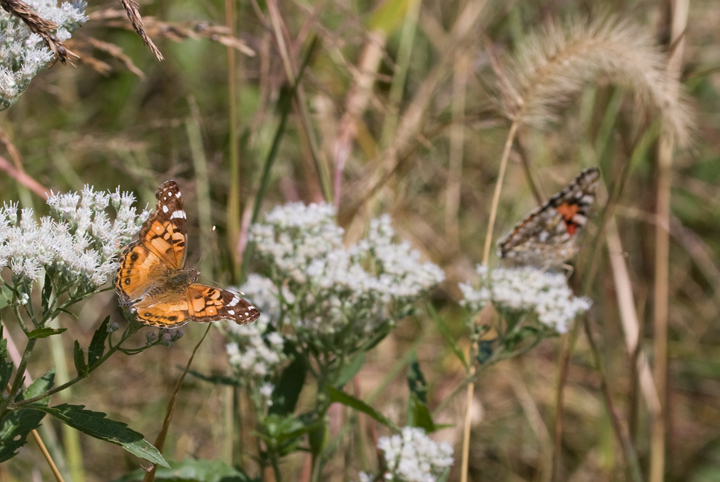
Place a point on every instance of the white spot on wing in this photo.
(234, 302)
(165, 209)
(178, 214)
(178, 194)
(231, 312)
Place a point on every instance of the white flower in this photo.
(527, 290)
(78, 242)
(24, 54)
(328, 289)
(413, 457)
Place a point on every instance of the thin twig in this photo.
(160, 440)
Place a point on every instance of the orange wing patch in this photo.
(138, 265)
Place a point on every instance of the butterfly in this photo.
(547, 237)
(152, 282)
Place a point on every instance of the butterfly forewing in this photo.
(547, 236)
(165, 232)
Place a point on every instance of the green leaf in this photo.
(6, 367)
(46, 292)
(445, 332)
(6, 295)
(97, 344)
(14, 429)
(38, 387)
(16, 426)
(79, 356)
(338, 396)
(485, 350)
(96, 425)
(389, 15)
(350, 370)
(287, 392)
(45, 331)
(193, 470)
(416, 380)
(419, 414)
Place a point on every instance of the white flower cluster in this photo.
(79, 242)
(23, 54)
(413, 457)
(527, 289)
(338, 296)
(255, 354)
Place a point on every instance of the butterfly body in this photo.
(152, 282)
(548, 235)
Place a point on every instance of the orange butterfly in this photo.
(152, 281)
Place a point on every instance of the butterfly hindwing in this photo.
(207, 303)
(165, 310)
(548, 235)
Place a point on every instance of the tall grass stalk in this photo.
(233, 208)
(678, 21)
(202, 183)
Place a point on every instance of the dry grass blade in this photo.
(176, 32)
(557, 61)
(133, 12)
(40, 26)
(117, 52)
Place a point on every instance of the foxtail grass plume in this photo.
(557, 61)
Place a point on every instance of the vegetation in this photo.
(392, 343)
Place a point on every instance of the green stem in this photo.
(19, 375)
(129, 331)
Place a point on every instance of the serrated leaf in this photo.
(193, 470)
(14, 429)
(45, 331)
(286, 393)
(79, 357)
(97, 344)
(350, 370)
(96, 425)
(338, 396)
(38, 387)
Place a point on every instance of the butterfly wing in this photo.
(169, 309)
(160, 247)
(138, 269)
(165, 231)
(207, 303)
(548, 235)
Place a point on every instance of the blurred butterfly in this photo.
(547, 237)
